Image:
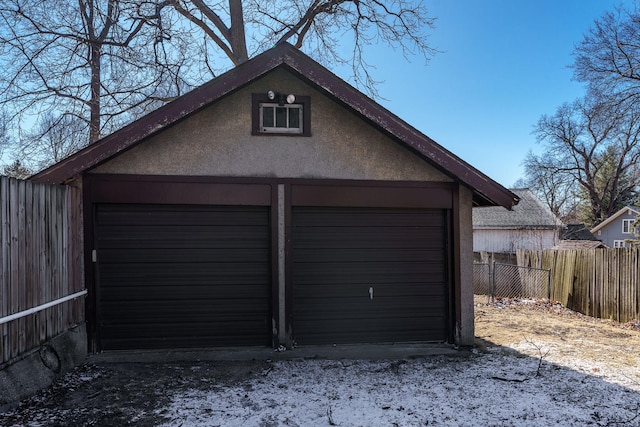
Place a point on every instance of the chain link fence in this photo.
(510, 281)
(481, 279)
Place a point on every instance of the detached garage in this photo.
(275, 205)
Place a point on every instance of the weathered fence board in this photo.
(602, 283)
(40, 261)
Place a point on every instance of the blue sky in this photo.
(504, 63)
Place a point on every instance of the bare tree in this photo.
(105, 62)
(90, 59)
(4, 134)
(591, 146)
(608, 57)
(319, 27)
(597, 146)
(559, 191)
(51, 139)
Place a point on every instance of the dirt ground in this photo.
(595, 361)
(560, 334)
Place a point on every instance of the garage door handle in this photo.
(371, 293)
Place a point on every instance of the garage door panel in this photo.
(417, 288)
(152, 337)
(339, 254)
(372, 325)
(372, 255)
(193, 255)
(181, 236)
(183, 276)
(358, 273)
(390, 312)
(194, 215)
(421, 290)
(346, 303)
(191, 329)
(333, 332)
(161, 282)
(177, 270)
(168, 291)
(341, 217)
(174, 312)
(368, 237)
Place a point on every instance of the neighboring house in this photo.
(275, 205)
(530, 225)
(578, 236)
(615, 230)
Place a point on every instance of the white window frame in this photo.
(627, 226)
(286, 128)
(619, 244)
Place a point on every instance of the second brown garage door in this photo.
(364, 275)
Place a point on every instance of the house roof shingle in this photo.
(577, 232)
(530, 212)
(579, 244)
(486, 192)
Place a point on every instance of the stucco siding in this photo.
(217, 141)
(465, 333)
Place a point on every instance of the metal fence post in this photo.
(492, 273)
(489, 282)
(549, 285)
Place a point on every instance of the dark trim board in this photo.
(371, 195)
(297, 193)
(174, 190)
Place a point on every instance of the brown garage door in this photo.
(182, 276)
(369, 275)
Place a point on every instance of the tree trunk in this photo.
(94, 102)
(238, 40)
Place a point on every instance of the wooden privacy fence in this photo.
(40, 264)
(602, 283)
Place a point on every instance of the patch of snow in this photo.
(496, 388)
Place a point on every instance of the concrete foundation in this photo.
(330, 352)
(39, 368)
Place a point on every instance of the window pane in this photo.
(281, 117)
(294, 117)
(267, 117)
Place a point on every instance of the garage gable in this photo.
(218, 141)
(486, 192)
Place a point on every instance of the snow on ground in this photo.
(496, 388)
(537, 367)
